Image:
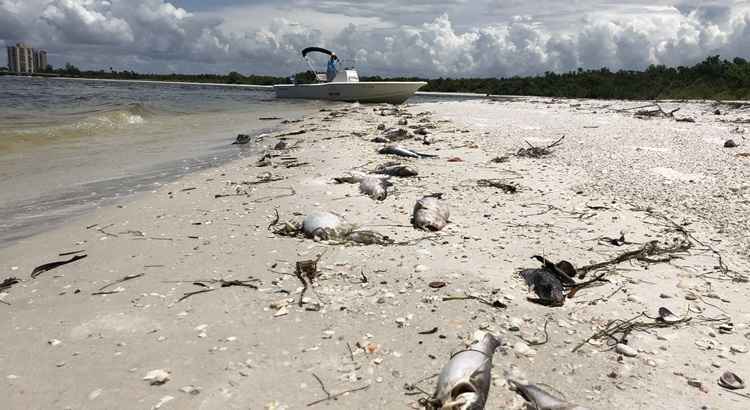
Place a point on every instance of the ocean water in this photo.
(67, 146)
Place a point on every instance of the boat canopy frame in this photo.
(327, 52)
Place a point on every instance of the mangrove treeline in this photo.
(713, 78)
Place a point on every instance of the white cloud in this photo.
(426, 38)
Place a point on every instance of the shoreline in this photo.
(369, 317)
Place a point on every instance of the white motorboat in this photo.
(345, 86)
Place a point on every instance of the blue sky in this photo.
(387, 37)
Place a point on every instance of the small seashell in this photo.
(281, 312)
(726, 328)
(190, 389)
(164, 400)
(666, 316)
(437, 284)
(731, 381)
(524, 349)
(626, 350)
(157, 377)
(738, 349)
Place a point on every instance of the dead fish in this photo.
(546, 285)
(374, 187)
(402, 171)
(421, 131)
(324, 225)
(353, 178)
(538, 399)
(430, 214)
(561, 269)
(397, 134)
(464, 382)
(52, 265)
(403, 152)
(369, 238)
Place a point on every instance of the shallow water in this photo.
(67, 146)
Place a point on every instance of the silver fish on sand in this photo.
(430, 214)
(538, 399)
(464, 382)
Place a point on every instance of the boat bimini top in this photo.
(321, 76)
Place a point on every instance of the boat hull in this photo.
(365, 92)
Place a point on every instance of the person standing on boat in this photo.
(332, 69)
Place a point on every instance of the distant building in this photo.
(24, 59)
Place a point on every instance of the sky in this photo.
(439, 38)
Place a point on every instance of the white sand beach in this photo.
(377, 321)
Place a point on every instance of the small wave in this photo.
(71, 126)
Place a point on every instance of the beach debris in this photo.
(242, 139)
(500, 160)
(102, 290)
(731, 381)
(190, 389)
(164, 400)
(421, 131)
(206, 286)
(538, 152)
(617, 331)
(730, 143)
(52, 265)
(495, 303)
(455, 159)
(157, 377)
(369, 238)
(430, 213)
(397, 134)
(626, 350)
(546, 285)
(619, 241)
(325, 226)
(464, 382)
(280, 146)
(375, 187)
(685, 119)
(8, 283)
(335, 396)
(307, 272)
(403, 152)
(538, 399)
(648, 111)
(381, 127)
(666, 316)
(644, 254)
(508, 188)
(437, 284)
(396, 170)
(552, 280)
(329, 227)
(354, 177)
(380, 140)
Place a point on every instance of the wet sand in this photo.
(359, 325)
